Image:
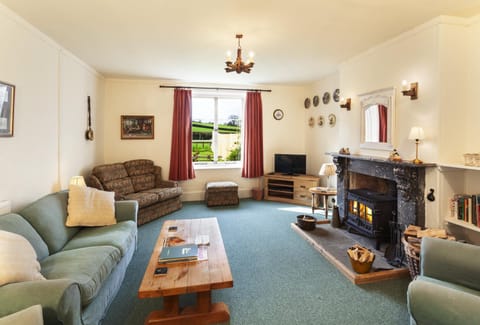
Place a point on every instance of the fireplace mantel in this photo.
(408, 177)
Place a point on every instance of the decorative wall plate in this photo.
(326, 97)
(311, 122)
(316, 100)
(306, 103)
(278, 114)
(332, 120)
(336, 95)
(321, 121)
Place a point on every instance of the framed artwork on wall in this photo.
(7, 104)
(137, 127)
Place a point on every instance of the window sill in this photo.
(216, 166)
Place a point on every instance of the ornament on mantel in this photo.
(395, 156)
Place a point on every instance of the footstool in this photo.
(221, 193)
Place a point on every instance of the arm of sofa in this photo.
(451, 261)
(431, 302)
(159, 182)
(60, 299)
(93, 181)
(126, 210)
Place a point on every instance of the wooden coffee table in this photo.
(188, 277)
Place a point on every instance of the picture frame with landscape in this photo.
(137, 127)
(7, 104)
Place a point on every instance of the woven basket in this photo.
(412, 258)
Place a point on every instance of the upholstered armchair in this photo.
(447, 291)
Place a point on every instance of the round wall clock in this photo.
(316, 100)
(278, 114)
(306, 103)
(326, 98)
(336, 95)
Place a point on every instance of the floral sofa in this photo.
(142, 181)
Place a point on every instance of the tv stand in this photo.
(290, 188)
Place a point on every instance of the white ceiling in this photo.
(294, 41)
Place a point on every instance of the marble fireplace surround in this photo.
(405, 179)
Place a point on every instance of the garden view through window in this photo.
(216, 128)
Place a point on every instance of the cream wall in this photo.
(48, 145)
(144, 97)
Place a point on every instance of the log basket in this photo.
(413, 258)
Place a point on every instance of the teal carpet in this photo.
(278, 277)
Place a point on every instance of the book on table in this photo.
(179, 253)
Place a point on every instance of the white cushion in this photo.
(31, 316)
(18, 259)
(90, 207)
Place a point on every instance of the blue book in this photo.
(179, 253)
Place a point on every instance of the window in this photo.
(216, 128)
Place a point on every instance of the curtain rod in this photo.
(218, 88)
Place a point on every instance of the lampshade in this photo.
(328, 169)
(416, 133)
(77, 180)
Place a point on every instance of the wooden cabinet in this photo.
(290, 189)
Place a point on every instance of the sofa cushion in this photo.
(31, 316)
(13, 222)
(143, 182)
(89, 207)
(120, 235)
(18, 259)
(144, 199)
(139, 167)
(109, 172)
(48, 215)
(121, 187)
(89, 267)
(165, 193)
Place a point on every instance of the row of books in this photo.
(466, 207)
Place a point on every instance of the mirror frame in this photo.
(385, 97)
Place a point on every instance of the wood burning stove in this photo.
(370, 214)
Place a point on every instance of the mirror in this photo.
(377, 119)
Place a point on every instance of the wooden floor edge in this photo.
(350, 274)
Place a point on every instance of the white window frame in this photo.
(224, 95)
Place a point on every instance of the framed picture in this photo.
(137, 127)
(7, 104)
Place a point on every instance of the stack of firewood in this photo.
(414, 234)
(360, 254)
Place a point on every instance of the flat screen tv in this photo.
(290, 164)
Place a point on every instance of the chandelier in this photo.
(239, 66)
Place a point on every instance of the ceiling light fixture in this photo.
(239, 66)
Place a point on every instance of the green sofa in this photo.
(447, 291)
(84, 266)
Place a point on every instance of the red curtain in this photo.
(181, 164)
(253, 137)
(382, 116)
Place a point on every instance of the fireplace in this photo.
(402, 181)
(370, 214)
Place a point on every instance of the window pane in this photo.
(203, 117)
(229, 129)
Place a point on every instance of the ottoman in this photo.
(221, 193)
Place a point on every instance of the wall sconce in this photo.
(411, 91)
(345, 103)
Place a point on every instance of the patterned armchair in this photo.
(142, 181)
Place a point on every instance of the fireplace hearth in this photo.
(403, 182)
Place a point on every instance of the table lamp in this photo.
(417, 134)
(77, 180)
(327, 169)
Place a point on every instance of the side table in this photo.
(323, 192)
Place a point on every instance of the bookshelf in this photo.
(457, 179)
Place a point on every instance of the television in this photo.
(290, 164)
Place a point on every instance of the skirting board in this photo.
(346, 269)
